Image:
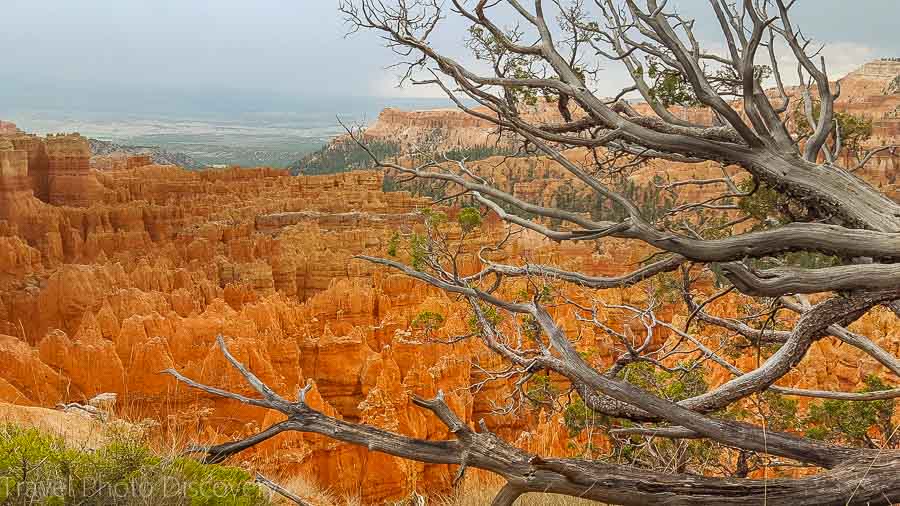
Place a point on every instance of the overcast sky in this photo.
(291, 47)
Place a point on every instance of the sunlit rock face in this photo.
(14, 181)
(871, 79)
(7, 128)
(112, 274)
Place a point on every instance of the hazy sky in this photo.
(288, 47)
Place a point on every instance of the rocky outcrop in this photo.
(69, 178)
(869, 92)
(266, 260)
(13, 172)
(57, 167)
(446, 129)
(38, 164)
(871, 79)
(7, 128)
(76, 429)
(442, 128)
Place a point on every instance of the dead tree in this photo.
(558, 50)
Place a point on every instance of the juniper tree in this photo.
(787, 183)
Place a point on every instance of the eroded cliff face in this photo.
(101, 298)
(119, 161)
(871, 79)
(447, 129)
(157, 261)
(450, 127)
(151, 277)
(109, 277)
(872, 92)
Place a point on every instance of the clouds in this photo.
(277, 45)
(291, 47)
(844, 57)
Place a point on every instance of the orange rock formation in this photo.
(102, 298)
(108, 277)
(7, 128)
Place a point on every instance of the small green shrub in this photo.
(38, 468)
(491, 314)
(428, 321)
(855, 130)
(418, 251)
(393, 244)
(469, 219)
(217, 485)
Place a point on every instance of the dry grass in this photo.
(475, 491)
(482, 497)
(314, 494)
(478, 491)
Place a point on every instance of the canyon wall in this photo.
(872, 92)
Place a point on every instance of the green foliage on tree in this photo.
(578, 417)
(675, 385)
(491, 314)
(540, 390)
(653, 202)
(479, 152)
(855, 130)
(418, 250)
(762, 203)
(427, 321)
(545, 294)
(436, 191)
(485, 47)
(853, 422)
(772, 209)
(669, 86)
(393, 244)
(469, 219)
(778, 411)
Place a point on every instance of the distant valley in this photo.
(192, 133)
